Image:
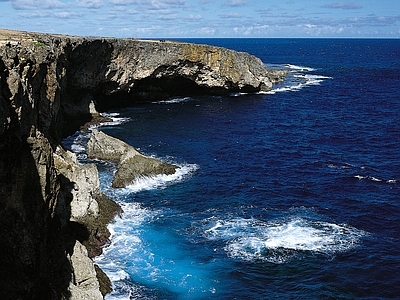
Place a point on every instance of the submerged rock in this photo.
(132, 164)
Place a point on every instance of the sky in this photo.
(205, 18)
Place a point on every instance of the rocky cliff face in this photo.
(49, 204)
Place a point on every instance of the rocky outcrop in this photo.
(49, 84)
(119, 72)
(131, 163)
(84, 284)
(85, 184)
(90, 209)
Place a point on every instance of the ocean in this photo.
(290, 194)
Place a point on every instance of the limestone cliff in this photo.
(49, 204)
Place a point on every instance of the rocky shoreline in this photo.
(53, 214)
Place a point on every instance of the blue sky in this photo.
(205, 18)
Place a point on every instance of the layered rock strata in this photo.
(49, 84)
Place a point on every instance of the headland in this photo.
(53, 214)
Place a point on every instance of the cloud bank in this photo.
(204, 18)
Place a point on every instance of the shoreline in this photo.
(53, 84)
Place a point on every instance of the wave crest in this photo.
(297, 78)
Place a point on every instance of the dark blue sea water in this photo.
(292, 194)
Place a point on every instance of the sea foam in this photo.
(297, 78)
(282, 240)
(162, 181)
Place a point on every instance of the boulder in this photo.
(132, 164)
(105, 147)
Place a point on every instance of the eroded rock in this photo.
(84, 284)
(85, 184)
(131, 163)
(134, 166)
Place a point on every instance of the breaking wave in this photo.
(297, 78)
(162, 181)
(173, 100)
(115, 120)
(280, 241)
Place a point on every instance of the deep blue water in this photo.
(293, 194)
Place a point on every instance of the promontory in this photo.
(53, 214)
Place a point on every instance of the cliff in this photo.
(49, 84)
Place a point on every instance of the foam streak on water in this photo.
(115, 120)
(297, 78)
(277, 242)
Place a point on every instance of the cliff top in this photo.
(20, 37)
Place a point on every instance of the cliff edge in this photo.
(50, 205)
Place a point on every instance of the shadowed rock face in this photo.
(48, 85)
(124, 71)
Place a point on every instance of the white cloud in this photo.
(174, 2)
(236, 3)
(37, 4)
(155, 2)
(52, 14)
(374, 20)
(94, 4)
(67, 15)
(207, 31)
(343, 5)
(35, 15)
(232, 15)
(194, 17)
(122, 2)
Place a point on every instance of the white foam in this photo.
(173, 100)
(162, 181)
(77, 143)
(149, 255)
(375, 179)
(297, 79)
(299, 68)
(116, 120)
(277, 242)
(238, 94)
(310, 79)
(126, 248)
